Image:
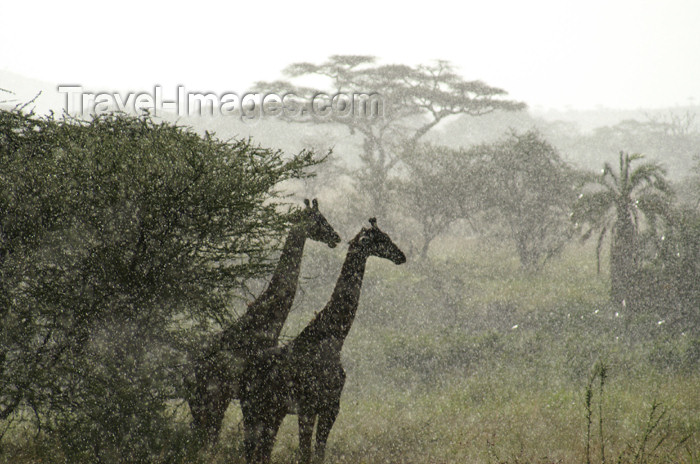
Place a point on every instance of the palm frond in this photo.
(608, 178)
(592, 208)
(654, 205)
(599, 247)
(661, 184)
(649, 173)
(634, 157)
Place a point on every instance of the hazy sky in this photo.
(548, 53)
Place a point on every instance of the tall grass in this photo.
(468, 359)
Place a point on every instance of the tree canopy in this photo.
(411, 100)
(121, 238)
(519, 184)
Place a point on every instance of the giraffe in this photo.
(214, 381)
(306, 376)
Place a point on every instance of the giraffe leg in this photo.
(326, 419)
(269, 431)
(197, 404)
(306, 430)
(218, 407)
(208, 405)
(207, 424)
(252, 428)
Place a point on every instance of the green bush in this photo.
(122, 242)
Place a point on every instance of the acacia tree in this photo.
(531, 190)
(617, 205)
(439, 185)
(410, 101)
(122, 241)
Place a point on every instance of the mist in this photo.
(486, 266)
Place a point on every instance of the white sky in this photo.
(548, 53)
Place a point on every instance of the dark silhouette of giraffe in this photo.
(306, 376)
(215, 371)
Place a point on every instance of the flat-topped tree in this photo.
(307, 376)
(215, 375)
(394, 104)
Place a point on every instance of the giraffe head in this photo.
(316, 226)
(374, 242)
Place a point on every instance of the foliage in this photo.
(532, 191)
(673, 139)
(466, 358)
(519, 183)
(670, 278)
(618, 204)
(426, 385)
(121, 240)
(409, 102)
(439, 186)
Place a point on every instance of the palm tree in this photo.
(615, 207)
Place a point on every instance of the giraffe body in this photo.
(306, 376)
(216, 371)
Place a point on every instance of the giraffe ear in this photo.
(315, 203)
(306, 202)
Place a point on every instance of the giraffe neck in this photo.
(284, 281)
(265, 316)
(333, 323)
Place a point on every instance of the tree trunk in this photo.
(622, 257)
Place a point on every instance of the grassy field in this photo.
(468, 359)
